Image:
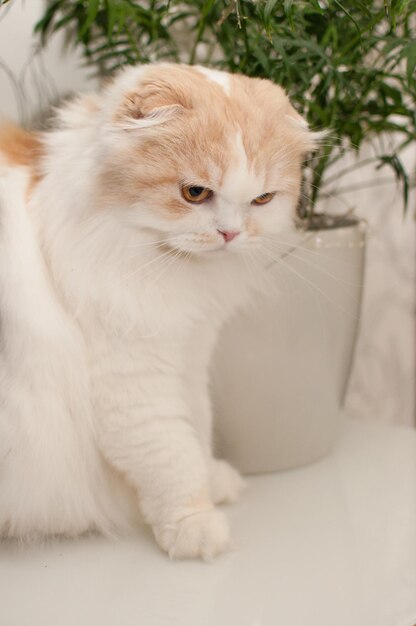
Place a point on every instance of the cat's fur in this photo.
(113, 288)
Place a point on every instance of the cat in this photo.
(124, 235)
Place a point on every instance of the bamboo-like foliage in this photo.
(349, 66)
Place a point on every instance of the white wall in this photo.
(384, 373)
(29, 77)
(383, 381)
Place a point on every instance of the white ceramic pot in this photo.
(282, 365)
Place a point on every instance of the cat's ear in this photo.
(149, 106)
(311, 139)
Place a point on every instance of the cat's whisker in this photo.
(166, 264)
(308, 282)
(156, 242)
(164, 267)
(138, 270)
(151, 279)
(185, 258)
(310, 263)
(338, 199)
(315, 253)
(137, 255)
(262, 275)
(246, 258)
(164, 259)
(281, 296)
(280, 264)
(298, 246)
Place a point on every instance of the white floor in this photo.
(333, 544)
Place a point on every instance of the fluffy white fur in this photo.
(109, 314)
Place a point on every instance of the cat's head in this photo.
(204, 159)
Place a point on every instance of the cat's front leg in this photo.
(145, 431)
(225, 481)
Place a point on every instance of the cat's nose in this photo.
(229, 235)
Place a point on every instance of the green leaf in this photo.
(42, 26)
(409, 53)
(111, 17)
(268, 9)
(347, 65)
(93, 7)
(263, 59)
(393, 161)
(341, 6)
(289, 11)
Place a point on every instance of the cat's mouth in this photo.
(204, 243)
(197, 249)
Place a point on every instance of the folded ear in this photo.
(134, 113)
(310, 138)
(150, 104)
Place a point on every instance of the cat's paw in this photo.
(199, 535)
(226, 483)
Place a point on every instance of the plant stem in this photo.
(198, 38)
(317, 176)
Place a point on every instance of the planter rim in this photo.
(329, 222)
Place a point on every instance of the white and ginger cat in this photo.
(123, 240)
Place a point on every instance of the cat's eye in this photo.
(195, 194)
(264, 198)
